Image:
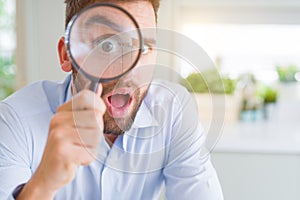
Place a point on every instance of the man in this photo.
(52, 143)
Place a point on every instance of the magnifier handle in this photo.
(94, 86)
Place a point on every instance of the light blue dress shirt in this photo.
(162, 149)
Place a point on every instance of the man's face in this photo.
(124, 96)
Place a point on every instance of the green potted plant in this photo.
(269, 95)
(210, 84)
(7, 77)
(257, 98)
(287, 73)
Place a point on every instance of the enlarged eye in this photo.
(108, 45)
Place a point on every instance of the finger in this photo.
(81, 119)
(87, 99)
(78, 135)
(99, 90)
(88, 119)
(89, 138)
(83, 156)
(73, 147)
(84, 100)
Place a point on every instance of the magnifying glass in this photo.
(104, 42)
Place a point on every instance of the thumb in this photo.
(99, 90)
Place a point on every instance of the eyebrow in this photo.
(148, 40)
(100, 19)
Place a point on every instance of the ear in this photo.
(63, 56)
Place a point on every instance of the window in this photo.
(244, 36)
(249, 48)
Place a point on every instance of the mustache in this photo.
(115, 84)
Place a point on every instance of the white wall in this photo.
(252, 176)
(39, 26)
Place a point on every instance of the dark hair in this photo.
(74, 6)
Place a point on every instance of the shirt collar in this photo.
(144, 118)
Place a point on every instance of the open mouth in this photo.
(118, 104)
(119, 100)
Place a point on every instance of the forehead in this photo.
(142, 11)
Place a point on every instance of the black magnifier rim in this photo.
(67, 42)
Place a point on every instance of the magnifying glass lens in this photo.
(104, 42)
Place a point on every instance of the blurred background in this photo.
(255, 46)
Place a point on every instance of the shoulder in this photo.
(35, 98)
(173, 102)
(163, 90)
(168, 94)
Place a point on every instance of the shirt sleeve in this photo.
(14, 156)
(188, 173)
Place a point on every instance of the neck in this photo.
(110, 139)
